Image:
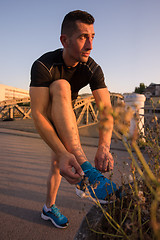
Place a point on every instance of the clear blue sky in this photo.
(127, 42)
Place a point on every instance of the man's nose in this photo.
(89, 45)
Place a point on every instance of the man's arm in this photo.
(103, 159)
(40, 106)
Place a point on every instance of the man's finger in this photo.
(69, 173)
(105, 165)
(77, 168)
(71, 177)
(99, 164)
(71, 180)
(111, 164)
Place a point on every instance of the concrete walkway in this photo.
(24, 166)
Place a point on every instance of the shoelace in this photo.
(93, 175)
(56, 211)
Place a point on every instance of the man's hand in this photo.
(104, 161)
(68, 162)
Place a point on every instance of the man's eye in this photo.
(82, 37)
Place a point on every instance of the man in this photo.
(56, 78)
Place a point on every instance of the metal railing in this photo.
(85, 109)
(16, 108)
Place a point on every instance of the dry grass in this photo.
(137, 214)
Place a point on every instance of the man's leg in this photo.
(64, 118)
(54, 180)
(50, 211)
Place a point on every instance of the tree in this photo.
(140, 89)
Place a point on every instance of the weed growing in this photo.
(136, 215)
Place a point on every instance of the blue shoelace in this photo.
(93, 175)
(56, 211)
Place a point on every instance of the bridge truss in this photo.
(84, 107)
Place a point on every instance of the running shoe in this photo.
(95, 186)
(54, 215)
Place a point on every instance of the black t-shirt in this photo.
(51, 67)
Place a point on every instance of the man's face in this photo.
(80, 43)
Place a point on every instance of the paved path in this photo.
(24, 166)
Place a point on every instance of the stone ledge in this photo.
(95, 218)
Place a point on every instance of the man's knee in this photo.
(60, 87)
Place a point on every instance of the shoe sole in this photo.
(44, 217)
(82, 194)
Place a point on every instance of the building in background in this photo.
(152, 103)
(153, 90)
(9, 93)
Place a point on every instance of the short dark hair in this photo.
(69, 22)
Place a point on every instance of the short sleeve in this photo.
(40, 75)
(97, 79)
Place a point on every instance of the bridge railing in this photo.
(85, 109)
(18, 108)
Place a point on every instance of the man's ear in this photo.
(64, 40)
